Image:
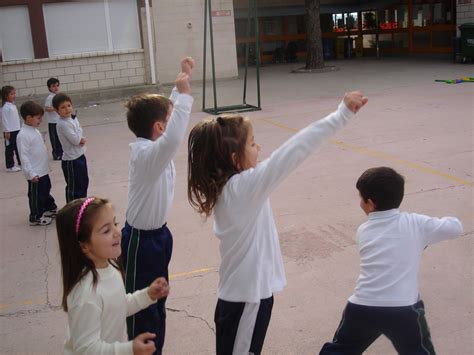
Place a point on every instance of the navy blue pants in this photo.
(11, 149)
(239, 331)
(39, 197)
(76, 176)
(406, 327)
(57, 148)
(146, 256)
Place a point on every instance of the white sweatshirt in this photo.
(33, 154)
(152, 172)
(10, 118)
(390, 247)
(251, 263)
(52, 116)
(97, 317)
(70, 134)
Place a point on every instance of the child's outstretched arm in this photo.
(158, 289)
(259, 182)
(435, 230)
(187, 66)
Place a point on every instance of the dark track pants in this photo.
(146, 256)
(241, 327)
(56, 147)
(39, 197)
(360, 326)
(76, 176)
(11, 149)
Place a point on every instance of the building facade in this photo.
(99, 44)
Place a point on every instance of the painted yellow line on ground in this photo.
(41, 301)
(381, 155)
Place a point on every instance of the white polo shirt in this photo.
(33, 154)
(152, 172)
(390, 245)
(251, 262)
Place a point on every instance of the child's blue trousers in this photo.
(146, 256)
(56, 147)
(76, 176)
(360, 326)
(39, 197)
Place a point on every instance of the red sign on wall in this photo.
(221, 13)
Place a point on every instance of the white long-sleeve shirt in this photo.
(70, 134)
(152, 172)
(251, 263)
(52, 116)
(97, 317)
(33, 154)
(390, 246)
(10, 118)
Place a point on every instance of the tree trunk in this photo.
(314, 58)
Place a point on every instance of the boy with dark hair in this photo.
(386, 298)
(74, 163)
(159, 124)
(35, 165)
(53, 117)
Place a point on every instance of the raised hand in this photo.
(143, 344)
(187, 65)
(183, 83)
(354, 100)
(158, 288)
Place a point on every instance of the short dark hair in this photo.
(52, 81)
(6, 90)
(383, 185)
(31, 108)
(144, 110)
(58, 99)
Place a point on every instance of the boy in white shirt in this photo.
(53, 117)
(386, 298)
(159, 124)
(74, 162)
(35, 165)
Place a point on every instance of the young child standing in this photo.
(11, 127)
(386, 299)
(224, 178)
(35, 165)
(159, 124)
(53, 118)
(74, 163)
(93, 292)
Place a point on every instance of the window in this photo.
(15, 33)
(101, 25)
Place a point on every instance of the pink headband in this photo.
(84, 205)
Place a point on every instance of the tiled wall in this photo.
(76, 72)
(179, 28)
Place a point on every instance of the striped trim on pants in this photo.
(39, 197)
(76, 176)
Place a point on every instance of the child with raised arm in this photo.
(386, 299)
(74, 162)
(11, 127)
(159, 124)
(224, 178)
(93, 292)
(53, 118)
(35, 165)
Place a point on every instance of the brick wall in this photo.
(179, 28)
(76, 72)
(464, 12)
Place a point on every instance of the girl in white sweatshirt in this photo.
(224, 178)
(94, 293)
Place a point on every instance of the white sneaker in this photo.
(43, 221)
(13, 169)
(16, 168)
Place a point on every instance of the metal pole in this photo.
(204, 58)
(212, 58)
(150, 42)
(257, 53)
(247, 45)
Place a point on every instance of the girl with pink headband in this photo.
(93, 289)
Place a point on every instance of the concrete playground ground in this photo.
(422, 128)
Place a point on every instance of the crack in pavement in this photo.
(22, 313)
(191, 316)
(45, 251)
